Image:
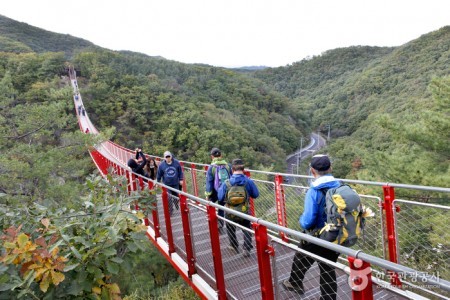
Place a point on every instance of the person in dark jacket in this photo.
(210, 189)
(238, 179)
(171, 174)
(151, 169)
(313, 220)
(137, 164)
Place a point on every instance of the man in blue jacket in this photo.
(213, 180)
(312, 221)
(171, 173)
(250, 190)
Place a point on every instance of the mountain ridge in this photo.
(41, 40)
(373, 98)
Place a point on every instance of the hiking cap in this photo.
(237, 162)
(320, 162)
(215, 152)
(167, 153)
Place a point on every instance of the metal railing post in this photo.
(165, 201)
(118, 169)
(251, 201)
(206, 177)
(121, 171)
(141, 183)
(134, 187)
(187, 235)
(150, 186)
(183, 186)
(389, 210)
(194, 179)
(360, 279)
(129, 181)
(216, 253)
(133, 181)
(263, 253)
(275, 273)
(155, 218)
(280, 204)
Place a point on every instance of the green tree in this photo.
(59, 252)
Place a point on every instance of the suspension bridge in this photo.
(404, 254)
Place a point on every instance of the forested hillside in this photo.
(18, 37)
(50, 207)
(387, 107)
(160, 104)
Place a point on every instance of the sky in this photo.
(234, 33)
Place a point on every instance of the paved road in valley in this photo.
(317, 142)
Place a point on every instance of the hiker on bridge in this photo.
(151, 168)
(171, 174)
(312, 221)
(138, 162)
(217, 173)
(235, 193)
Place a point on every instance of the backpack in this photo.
(236, 198)
(344, 216)
(221, 173)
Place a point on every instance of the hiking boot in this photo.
(246, 253)
(289, 286)
(230, 247)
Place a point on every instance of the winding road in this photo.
(317, 142)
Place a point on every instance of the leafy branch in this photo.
(50, 255)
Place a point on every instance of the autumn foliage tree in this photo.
(57, 253)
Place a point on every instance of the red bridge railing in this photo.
(274, 217)
(195, 184)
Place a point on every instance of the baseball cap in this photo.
(215, 152)
(320, 162)
(237, 162)
(167, 153)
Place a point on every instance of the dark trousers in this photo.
(231, 231)
(302, 262)
(173, 198)
(213, 198)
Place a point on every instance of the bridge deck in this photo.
(241, 273)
